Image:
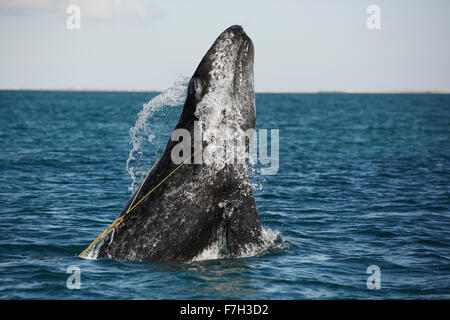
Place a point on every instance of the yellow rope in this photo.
(137, 193)
(179, 166)
(119, 220)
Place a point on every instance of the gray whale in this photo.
(199, 205)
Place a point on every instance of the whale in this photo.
(182, 209)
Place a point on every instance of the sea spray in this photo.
(142, 136)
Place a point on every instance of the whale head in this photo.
(221, 90)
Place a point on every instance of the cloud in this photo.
(93, 9)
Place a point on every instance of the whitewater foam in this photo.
(271, 241)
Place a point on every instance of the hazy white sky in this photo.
(299, 45)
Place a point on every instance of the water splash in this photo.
(92, 253)
(271, 241)
(142, 136)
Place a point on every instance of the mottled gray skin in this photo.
(186, 214)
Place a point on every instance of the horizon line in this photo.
(348, 91)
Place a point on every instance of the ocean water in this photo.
(363, 180)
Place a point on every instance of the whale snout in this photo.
(228, 63)
(224, 80)
(237, 34)
(235, 29)
(232, 52)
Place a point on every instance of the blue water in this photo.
(363, 180)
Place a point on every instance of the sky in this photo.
(300, 46)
